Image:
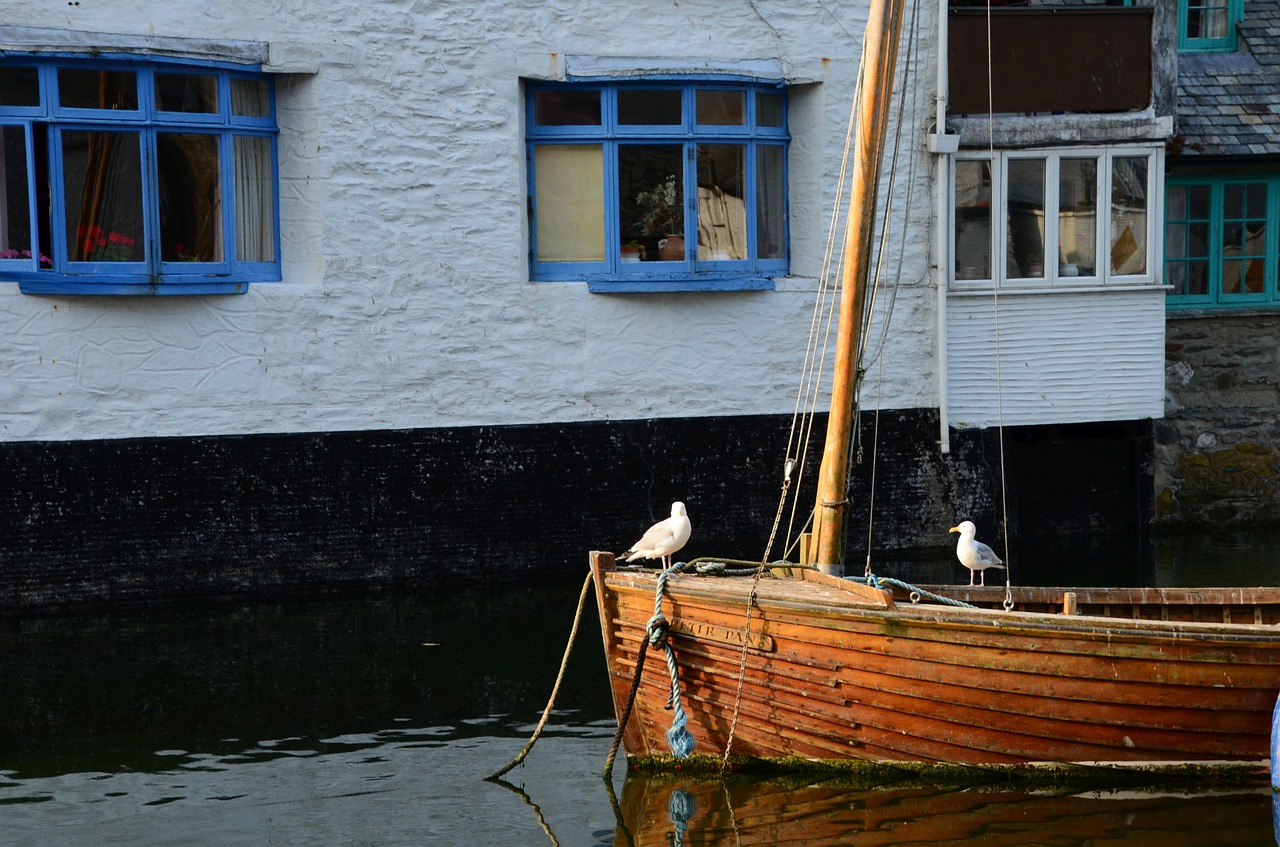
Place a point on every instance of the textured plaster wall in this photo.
(406, 300)
(1217, 449)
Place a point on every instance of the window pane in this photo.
(1077, 217)
(190, 197)
(15, 198)
(1206, 20)
(96, 89)
(1244, 238)
(722, 213)
(1025, 226)
(255, 214)
(770, 208)
(973, 220)
(1198, 277)
(1128, 241)
(1186, 247)
(19, 86)
(250, 98)
(652, 108)
(722, 108)
(187, 93)
(567, 108)
(569, 180)
(768, 109)
(651, 198)
(102, 185)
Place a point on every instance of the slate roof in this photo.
(1229, 103)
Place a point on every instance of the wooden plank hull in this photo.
(826, 669)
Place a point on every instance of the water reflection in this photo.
(133, 691)
(375, 720)
(667, 811)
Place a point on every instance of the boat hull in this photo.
(826, 669)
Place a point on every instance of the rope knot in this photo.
(656, 629)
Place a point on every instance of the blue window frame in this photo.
(123, 176)
(1220, 241)
(658, 185)
(1208, 26)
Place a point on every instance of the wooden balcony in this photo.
(1050, 60)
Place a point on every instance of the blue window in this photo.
(658, 185)
(1220, 241)
(132, 177)
(1208, 26)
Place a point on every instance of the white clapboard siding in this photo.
(1064, 357)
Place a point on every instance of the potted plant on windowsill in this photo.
(633, 251)
(663, 216)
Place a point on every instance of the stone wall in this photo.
(1217, 450)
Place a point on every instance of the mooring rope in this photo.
(915, 592)
(679, 739)
(626, 711)
(573, 634)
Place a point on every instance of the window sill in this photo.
(692, 283)
(31, 286)
(1243, 310)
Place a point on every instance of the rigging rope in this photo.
(815, 355)
(882, 250)
(995, 307)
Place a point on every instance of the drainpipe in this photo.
(942, 146)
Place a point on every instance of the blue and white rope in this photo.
(679, 739)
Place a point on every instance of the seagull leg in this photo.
(971, 582)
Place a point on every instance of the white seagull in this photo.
(663, 538)
(974, 555)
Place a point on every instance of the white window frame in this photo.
(1056, 278)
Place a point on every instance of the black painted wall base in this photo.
(138, 521)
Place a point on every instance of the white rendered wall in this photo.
(406, 300)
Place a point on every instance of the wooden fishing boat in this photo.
(828, 669)
(801, 664)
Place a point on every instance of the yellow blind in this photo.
(570, 197)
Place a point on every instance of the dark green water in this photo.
(373, 721)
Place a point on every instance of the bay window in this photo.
(657, 185)
(1220, 235)
(1033, 219)
(136, 177)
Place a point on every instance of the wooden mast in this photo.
(879, 55)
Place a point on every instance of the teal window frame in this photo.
(611, 272)
(1211, 239)
(226, 146)
(1226, 43)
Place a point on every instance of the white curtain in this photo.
(255, 203)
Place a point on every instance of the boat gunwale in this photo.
(705, 587)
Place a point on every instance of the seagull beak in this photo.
(954, 529)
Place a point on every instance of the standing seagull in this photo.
(974, 555)
(663, 538)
